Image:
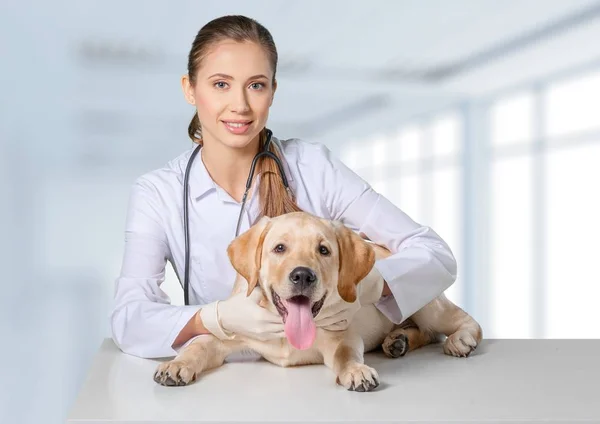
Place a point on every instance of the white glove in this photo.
(337, 317)
(241, 314)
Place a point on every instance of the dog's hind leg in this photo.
(202, 354)
(404, 338)
(444, 317)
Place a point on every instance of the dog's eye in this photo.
(280, 248)
(323, 251)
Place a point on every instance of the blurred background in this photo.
(478, 118)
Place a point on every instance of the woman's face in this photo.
(233, 93)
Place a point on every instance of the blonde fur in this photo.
(349, 264)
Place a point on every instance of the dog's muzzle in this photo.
(303, 279)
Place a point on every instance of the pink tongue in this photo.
(300, 328)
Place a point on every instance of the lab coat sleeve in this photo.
(421, 266)
(143, 322)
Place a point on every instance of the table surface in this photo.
(502, 381)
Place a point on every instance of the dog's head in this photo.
(301, 261)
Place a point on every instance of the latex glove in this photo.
(241, 314)
(337, 317)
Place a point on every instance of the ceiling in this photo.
(393, 43)
(347, 68)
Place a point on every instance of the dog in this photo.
(304, 264)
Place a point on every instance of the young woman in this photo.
(231, 81)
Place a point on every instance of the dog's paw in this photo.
(358, 377)
(395, 347)
(460, 344)
(175, 373)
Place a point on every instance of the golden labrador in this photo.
(303, 264)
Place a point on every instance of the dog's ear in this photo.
(245, 252)
(357, 258)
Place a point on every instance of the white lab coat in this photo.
(143, 321)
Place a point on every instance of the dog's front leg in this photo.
(343, 352)
(203, 353)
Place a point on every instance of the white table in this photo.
(517, 381)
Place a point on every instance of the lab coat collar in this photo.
(201, 181)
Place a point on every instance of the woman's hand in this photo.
(386, 289)
(337, 317)
(241, 314)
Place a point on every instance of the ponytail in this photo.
(274, 198)
(195, 130)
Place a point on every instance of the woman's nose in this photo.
(239, 102)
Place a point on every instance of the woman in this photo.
(231, 82)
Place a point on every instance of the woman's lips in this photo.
(237, 127)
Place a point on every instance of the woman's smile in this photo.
(237, 127)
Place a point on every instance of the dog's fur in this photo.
(349, 262)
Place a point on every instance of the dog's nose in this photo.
(303, 276)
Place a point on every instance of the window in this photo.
(573, 106)
(536, 188)
(447, 135)
(419, 169)
(544, 211)
(446, 205)
(572, 229)
(410, 144)
(511, 248)
(572, 206)
(447, 221)
(512, 120)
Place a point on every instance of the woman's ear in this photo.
(357, 258)
(188, 89)
(245, 252)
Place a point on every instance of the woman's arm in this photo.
(193, 328)
(143, 322)
(421, 266)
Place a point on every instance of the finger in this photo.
(333, 313)
(327, 321)
(333, 327)
(273, 329)
(264, 322)
(274, 335)
(338, 326)
(331, 310)
(342, 316)
(341, 325)
(256, 296)
(268, 317)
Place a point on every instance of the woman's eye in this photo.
(220, 84)
(323, 250)
(257, 85)
(279, 248)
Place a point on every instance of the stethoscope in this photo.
(186, 222)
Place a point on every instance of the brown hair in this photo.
(274, 199)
